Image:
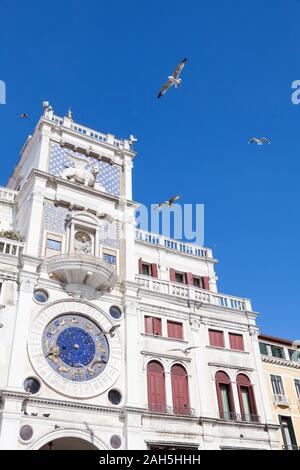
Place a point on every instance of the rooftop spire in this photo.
(70, 114)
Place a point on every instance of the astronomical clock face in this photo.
(75, 347)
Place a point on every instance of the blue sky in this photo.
(107, 60)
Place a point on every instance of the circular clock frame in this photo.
(75, 347)
(65, 386)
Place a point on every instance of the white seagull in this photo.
(186, 350)
(173, 79)
(170, 202)
(112, 331)
(259, 140)
(132, 139)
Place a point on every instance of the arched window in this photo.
(180, 390)
(225, 397)
(246, 399)
(156, 387)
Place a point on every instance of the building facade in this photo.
(281, 361)
(112, 337)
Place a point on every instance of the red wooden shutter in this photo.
(205, 282)
(189, 279)
(216, 338)
(172, 275)
(140, 266)
(149, 325)
(156, 387)
(236, 341)
(154, 270)
(244, 382)
(180, 390)
(175, 330)
(157, 326)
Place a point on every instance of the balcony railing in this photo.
(172, 410)
(182, 247)
(10, 247)
(83, 130)
(246, 418)
(193, 293)
(7, 194)
(280, 399)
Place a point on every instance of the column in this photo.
(32, 246)
(127, 178)
(19, 355)
(11, 420)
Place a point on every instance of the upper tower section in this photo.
(63, 148)
(71, 190)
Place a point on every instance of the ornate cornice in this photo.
(58, 403)
(280, 362)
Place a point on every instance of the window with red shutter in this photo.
(140, 266)
(236, 341)
(172, 275)
(148, 325)
(205, 282)
(175, 330)
(246, 399)
(180, 390)
(157, 326)
(189, 279)
(154, 270)
(225, 396)
(216, 338)
(153, 326)
(156, 387)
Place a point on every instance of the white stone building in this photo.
(97, 318)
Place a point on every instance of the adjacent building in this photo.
(112, 337)
(281, 362)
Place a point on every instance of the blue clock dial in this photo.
(75, 347)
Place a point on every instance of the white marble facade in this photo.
(80, 257)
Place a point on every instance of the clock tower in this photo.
(112, 337)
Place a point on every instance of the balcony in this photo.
(10, 247)
(171, 410)
(193, 293)
(7, 195)
(179, 246)
(280, 399)
(82, 275)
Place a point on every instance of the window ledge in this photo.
(226, 349)
(149, 335)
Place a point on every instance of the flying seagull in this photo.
(173, 79)
(112, 331)
(259, 140)
(24, 116)
(186, 350)
(132, 139)
(170, 202)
